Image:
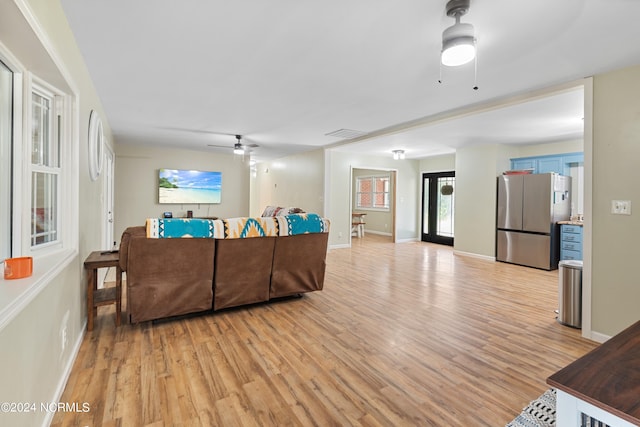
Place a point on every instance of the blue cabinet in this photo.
(550, 164)
(524, 164)
(558, 163)
(570, 241)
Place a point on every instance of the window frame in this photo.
(51, 168)
(51, 261)
(386, 193)
(24, 85)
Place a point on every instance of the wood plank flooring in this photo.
(403, 334)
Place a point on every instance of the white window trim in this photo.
(373, 209)
(48, 262)
(61, 101)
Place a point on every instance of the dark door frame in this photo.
(432, 208)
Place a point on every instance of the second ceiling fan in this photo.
(238, 148)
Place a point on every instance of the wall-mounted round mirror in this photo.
(96, 145)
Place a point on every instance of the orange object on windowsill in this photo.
(17, 268)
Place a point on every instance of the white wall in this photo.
(560, 147)
(615, 176)
(293, 181)
(338, 173)
(136, 184)
(476, 170)
(33, 364)
(442, 163)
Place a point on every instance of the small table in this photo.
(97, 297)
(357, 224)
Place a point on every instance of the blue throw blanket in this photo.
(236, 228)
(171, 228)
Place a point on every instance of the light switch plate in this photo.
(621, 207)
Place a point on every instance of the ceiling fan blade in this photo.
(209, 132)
(240, 138)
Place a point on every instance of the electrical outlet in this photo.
(621, 207)
(339, 234)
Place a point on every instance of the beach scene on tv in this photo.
(189, 186)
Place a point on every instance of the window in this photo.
(6, 131)
(372, 192)
(45, 166)
(39, 166)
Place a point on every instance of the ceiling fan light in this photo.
(458, 45)
(238, 148)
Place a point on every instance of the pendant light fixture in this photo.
(458, 41)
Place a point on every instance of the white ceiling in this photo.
(284, 73)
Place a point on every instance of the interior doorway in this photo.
(373, 202)
(438, 207)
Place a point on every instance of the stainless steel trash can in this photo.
(570, 293)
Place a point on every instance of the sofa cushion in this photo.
(242, 271)
(169, 277)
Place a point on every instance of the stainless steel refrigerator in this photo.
(529, 207)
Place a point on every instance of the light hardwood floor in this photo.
(402, 335)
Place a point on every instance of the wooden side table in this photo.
(97, 297)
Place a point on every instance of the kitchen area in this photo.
(539, 223)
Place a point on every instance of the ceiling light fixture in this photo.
(238, 148)
(398, 154)
(458, 41)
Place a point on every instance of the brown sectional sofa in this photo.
(168, 277)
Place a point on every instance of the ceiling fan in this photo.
(238, 148)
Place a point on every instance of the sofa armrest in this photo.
(299, 264)
(127, 235)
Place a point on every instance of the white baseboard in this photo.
(411, 239)
(340, 246)
(65, 375)
(380, 233)
(471, 254)
(598, 337)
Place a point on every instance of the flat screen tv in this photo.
(189, 186)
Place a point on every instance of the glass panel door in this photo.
(438, 207)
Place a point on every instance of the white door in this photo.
(108, 242)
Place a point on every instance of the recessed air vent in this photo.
(345, 133)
